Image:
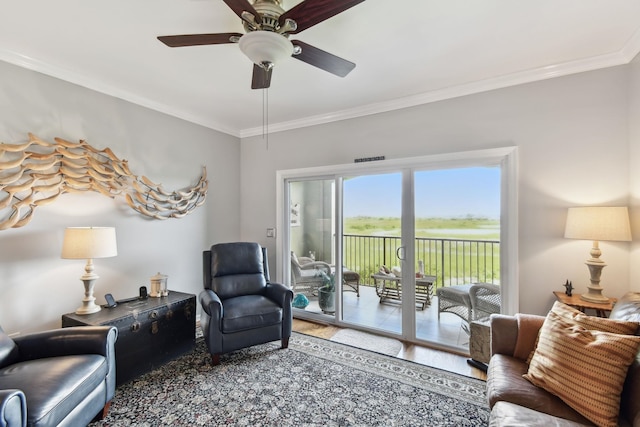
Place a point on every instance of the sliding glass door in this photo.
(370, 246)
(456, 243)
(371, 238)
(311, 244)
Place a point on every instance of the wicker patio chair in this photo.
(306, 275)
(456, 300)
(469, 302)
(485, 300)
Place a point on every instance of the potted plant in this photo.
(327, 293)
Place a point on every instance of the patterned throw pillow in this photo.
(585, 368)
(589, 322)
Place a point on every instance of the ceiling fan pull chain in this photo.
(266, 91)
(265, 116)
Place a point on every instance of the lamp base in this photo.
(89, 305)
(595, 297)
(595, 269)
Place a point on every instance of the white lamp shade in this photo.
(265, 46)
(598, 223)
(89, 242)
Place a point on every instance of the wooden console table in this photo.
(582, 305)
(390, 288)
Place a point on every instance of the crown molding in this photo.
(624, 56)
(621, 57)
(98, 86)
(632, 47)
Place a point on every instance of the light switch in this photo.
(271, 232)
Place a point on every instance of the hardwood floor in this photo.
(416, 353)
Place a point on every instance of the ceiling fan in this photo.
(266, 40)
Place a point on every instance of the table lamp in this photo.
(597, 223)
(89, 243)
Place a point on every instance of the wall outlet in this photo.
(271, 232)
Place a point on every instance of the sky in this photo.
(447, 193)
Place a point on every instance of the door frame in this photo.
(505, 158)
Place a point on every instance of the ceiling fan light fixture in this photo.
(265, 47)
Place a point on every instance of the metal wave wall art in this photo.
(37, 172)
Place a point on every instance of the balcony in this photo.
(450, 261)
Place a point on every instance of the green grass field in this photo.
(452, 249)
(457, 228)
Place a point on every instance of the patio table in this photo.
(389, 288)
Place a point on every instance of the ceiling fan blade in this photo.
(323, 60)
(311, 12)
(239, 6)
(261, 77)
(198, 39)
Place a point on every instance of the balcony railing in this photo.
(452, 261)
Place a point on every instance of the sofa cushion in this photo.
(505, 382)
(585, 368)
(54, 386)
(8, 350)
(237, 268)
(627, 307)
(249, 312)
(512, 415)
(528, 328)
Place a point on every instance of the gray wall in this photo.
(578, 140)
(36, 286)
(634, 170)
(573, 139)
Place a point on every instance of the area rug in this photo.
(367, 341)
(314, 382)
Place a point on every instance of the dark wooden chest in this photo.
(151, 332)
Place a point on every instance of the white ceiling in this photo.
(408, 52)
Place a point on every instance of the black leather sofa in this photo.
(62, 377)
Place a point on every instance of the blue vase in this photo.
(300, 301)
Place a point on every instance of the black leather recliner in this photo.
(240, 306)
(62, 377)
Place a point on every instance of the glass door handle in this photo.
(400, 253)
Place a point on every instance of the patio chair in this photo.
(485, 300)
(303, 275)
(456, 300)
(306, 274)
(352, 279)
(469, 302)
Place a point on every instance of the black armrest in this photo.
(67, 341)
(279, 293)
(13, 408)
(211, 304)
(282, 295)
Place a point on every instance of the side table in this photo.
(480, 343)
(388, 287)
(576, 302)
(151, 332)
